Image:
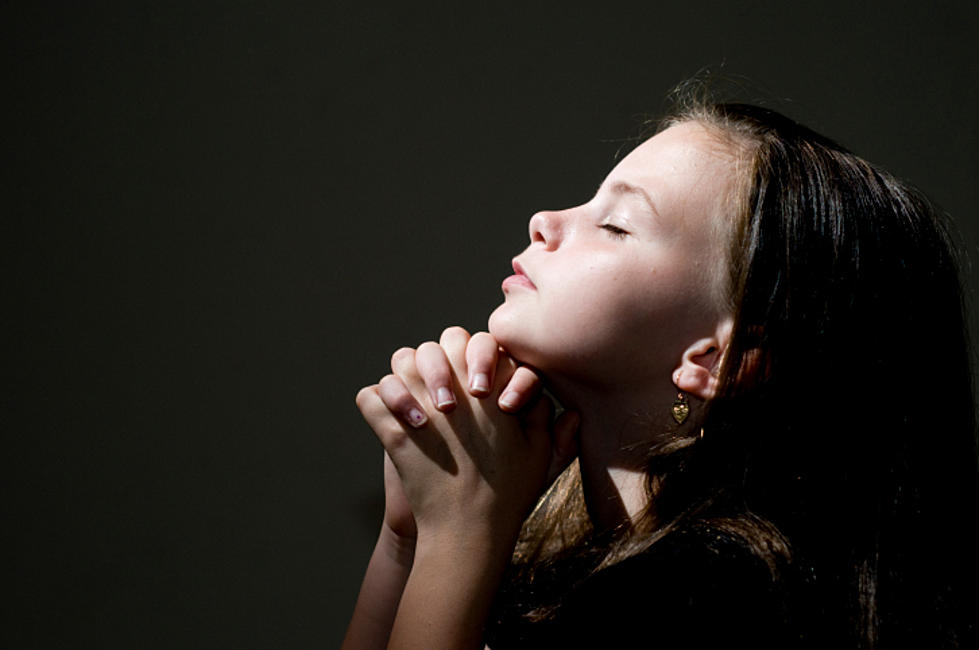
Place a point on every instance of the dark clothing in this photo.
(689, 590)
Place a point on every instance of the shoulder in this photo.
(692, 566)
(693, 587)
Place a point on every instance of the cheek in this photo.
(590, 327)
(626, 325)
(602, 322)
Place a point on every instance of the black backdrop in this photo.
(220, 218)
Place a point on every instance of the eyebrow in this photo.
(621, 187)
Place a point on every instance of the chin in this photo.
(500, 327)
(538, 345)
(507, 331)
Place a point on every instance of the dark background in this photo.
(220, 218)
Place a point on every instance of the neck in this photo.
(616, 431)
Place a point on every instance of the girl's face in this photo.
(616, 289)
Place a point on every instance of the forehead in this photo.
(690, 174)
(686, 166)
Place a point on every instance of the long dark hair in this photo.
(841, 446)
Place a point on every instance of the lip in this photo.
(518, 279)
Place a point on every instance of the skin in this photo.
(613, 304)
(622, 283)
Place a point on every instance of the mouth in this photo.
(519, 278)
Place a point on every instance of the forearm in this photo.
(448, 596)
(380, 593)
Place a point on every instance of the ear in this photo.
(701, 362)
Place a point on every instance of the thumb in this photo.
(565, 443)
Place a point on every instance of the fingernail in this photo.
(444, 397)
(416, 417)
(480, 382)
(509, 399)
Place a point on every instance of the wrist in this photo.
(477, 529)
(449, 593)
(399, 548)
(479, 549)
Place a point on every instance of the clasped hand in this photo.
(471, 443)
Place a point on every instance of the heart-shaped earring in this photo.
(681, 408)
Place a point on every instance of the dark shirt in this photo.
(689, 590)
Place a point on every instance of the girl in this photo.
(758, 341)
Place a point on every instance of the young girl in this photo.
(758, 342)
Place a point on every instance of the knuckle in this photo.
(429, 348)
(524, 377)
(432, 363)
(396, 397)
(393, 391)
(402, 353)
(482, 338)
(454, 333)
(389, 382)
(402, 358)
(453, 342)
(394, 438)
(487, 339)
(482, 347)
(391, 436)
(363, 395)
(438, 376)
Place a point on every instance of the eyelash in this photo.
(614, 231)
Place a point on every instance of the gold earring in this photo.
(681, 408)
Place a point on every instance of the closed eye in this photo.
(614, 231)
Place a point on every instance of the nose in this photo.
(545, 228)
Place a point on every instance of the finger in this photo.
(388, 429)
(370, 404)
(400, 439)
(482, 352)
(524, 386)
(565, 446)
(505, 367)
(454, 341)
(403, 360)
(404, 366)
(399, 401)
(434, 369)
